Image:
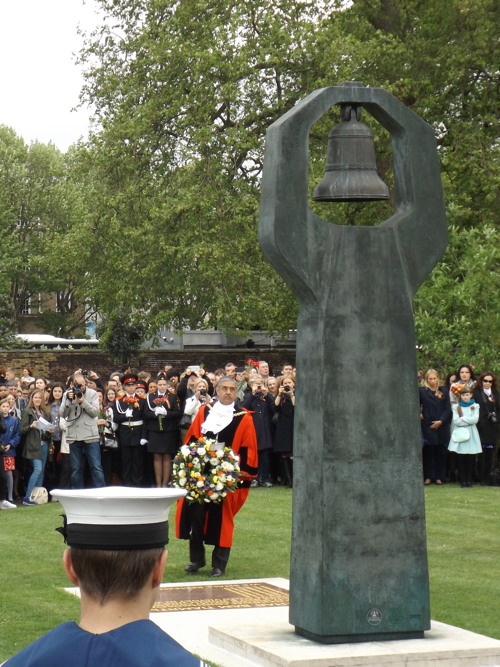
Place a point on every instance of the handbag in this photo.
(185, 421)
(39, 495)
(110, 443)
(460, 433)
(9, 463)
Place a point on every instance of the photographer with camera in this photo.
(189, 379)
(283, 436)
(261, 403)
(80, 408)
(199, 398)
(162, 414)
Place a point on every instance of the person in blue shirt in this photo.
(8, 444)
(116, 537)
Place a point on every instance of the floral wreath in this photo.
(207, 469)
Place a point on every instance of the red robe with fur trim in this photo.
(219, 519)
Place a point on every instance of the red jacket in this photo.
(219, 523)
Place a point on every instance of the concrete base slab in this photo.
(271, 641)
(246, 637)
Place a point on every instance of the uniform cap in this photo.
(130, 378)
(116, 517)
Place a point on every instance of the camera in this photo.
(77, 390)
(203, 392)
(492, 416)
(85, 373)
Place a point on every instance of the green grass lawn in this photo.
(463, 533)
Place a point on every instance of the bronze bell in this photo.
(351, 169)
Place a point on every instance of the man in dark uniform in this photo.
(213, 523)
(116, 537)
(128, 414)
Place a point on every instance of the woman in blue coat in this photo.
(435, 415)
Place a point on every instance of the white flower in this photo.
(200, 484)
(185, 451)
(220, 453)
(214, 462)
(219, 486)
(182, 481)
(196, 460)
(201, 451)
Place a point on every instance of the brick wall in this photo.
(58, 364)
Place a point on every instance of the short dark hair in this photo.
(106, 574)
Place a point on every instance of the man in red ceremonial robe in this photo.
(213, 523)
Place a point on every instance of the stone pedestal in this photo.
(359, 563)
(270, 641)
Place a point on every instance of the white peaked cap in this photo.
(116, 517)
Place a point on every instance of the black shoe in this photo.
(193, 567)
(216, 572)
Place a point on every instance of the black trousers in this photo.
(132, 465)
(220, 555)
(466, 465)
(486, 460)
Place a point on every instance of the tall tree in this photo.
(184, 113)
(184, 92)
(40, 209)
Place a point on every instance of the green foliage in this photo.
(7, 328)
(39, 209)
(120, 337)
(181, 113)
(159, 211)
(457, 310)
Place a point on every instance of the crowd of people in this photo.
(459, 420)
(127, 428)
